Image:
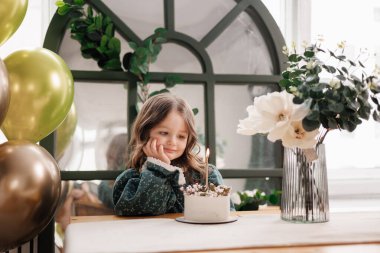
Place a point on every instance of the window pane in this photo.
(175, 58)
(192, 17)
(239, 151)
(241, 49)
(101, 114)
(142, 16)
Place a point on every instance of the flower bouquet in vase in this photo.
(323, 90)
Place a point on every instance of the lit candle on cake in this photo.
(206, 162)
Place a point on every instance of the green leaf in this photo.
(143, 68)
(59, 3)
(365, 112)
(133, 45)
(294, 58)
(147, 43)
(113, 64)
(160, 40)
(79, 2)
(114, 43)
(332, 124)
(156, 49)
(309, 54)
(63, 10)
(340, 77)
(75, 14)
(375, 100)
(160, 31)
(341, 57)
(195, 111)
(273, 199)
(376, 116)
(285, 74)
(103, 41)
(352, 63)
(94, 36)
(310, 125)
(298, 100)
(90, 12)
(349, 126)
(146, 78)
(284, 83)
(110, 31)
(141, 52)
(99, 22)
(336, 107)
(332, 54)
(329, 69)
(158, 92)
(172, 80)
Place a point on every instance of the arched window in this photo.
(227, 52)
(225, 59)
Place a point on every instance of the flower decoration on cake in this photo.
(201, 190)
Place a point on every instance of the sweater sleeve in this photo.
(151, 192)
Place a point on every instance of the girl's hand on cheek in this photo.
(150, 149)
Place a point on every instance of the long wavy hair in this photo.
(155, 110)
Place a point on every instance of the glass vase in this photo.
(304, 187)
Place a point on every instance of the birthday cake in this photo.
(207, 205)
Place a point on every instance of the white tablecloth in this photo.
(157, 235)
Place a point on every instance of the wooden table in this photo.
(371, 247)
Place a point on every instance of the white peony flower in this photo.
(235, 198)
(310, 65)
(272, 114)
(285, 50)
(335, 83)
(297, 136)
(249, 193)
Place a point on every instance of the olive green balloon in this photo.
(65, 132)
(4, 91)
(12, 12)
(42, 91)
(30, 186)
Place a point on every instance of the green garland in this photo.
(96, 34)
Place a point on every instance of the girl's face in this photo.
(172, 133)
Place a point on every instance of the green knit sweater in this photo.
(156, 190)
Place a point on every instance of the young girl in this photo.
(161, 160)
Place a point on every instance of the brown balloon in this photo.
(30, 186)
(4, 91)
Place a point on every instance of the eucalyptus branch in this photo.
(341, 104)
(322, 137)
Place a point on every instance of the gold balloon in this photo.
(42, 91)
(30, 187)
(65, 131)
(12, 12)
(4, 91)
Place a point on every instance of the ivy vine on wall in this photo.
(96, 34)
